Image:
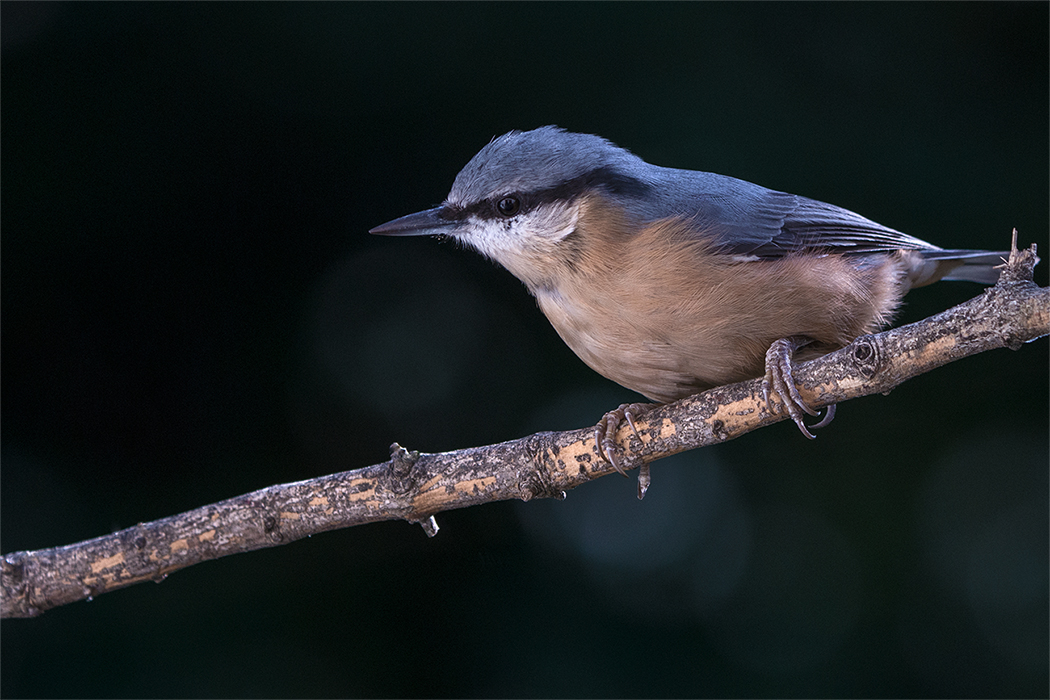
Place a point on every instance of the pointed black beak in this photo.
(423, 223)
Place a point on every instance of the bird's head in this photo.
(520, 197)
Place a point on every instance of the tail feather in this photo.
(958, 265)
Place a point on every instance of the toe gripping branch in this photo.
(779, 379)
(604, 443)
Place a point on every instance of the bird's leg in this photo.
(780, 379)
(606, 429)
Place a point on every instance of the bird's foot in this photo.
(605, 444)
(779, 379)
(605, 431)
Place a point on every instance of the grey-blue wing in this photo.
(746, 219)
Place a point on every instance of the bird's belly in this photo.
(716, 329)
(662, 358)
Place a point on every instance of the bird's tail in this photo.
(965, 265)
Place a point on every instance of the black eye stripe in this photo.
(605, 178)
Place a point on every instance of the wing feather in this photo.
(747, 219)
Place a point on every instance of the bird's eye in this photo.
(508, 206)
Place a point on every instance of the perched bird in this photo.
(671, 282)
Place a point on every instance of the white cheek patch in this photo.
(535, 232)
(496, 239)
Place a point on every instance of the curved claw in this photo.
(779, 379)
(603, 443)
(606, 429)
(829, 416)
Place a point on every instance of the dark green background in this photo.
(192, 309)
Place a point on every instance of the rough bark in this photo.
(413, 486)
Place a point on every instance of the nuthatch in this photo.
(670, 281)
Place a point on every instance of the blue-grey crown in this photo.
(539, 160)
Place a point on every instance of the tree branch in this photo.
(413, 486)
